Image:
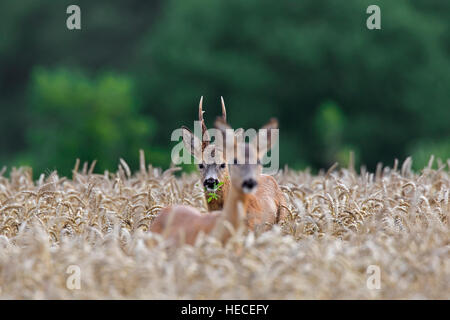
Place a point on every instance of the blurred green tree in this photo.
(284, 58)
(73, 116)
(423, 149)
(267, 58)
(34, 33)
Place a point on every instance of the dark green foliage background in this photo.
(137, 69)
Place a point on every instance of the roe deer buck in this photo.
(215, 173)
(185, 222)
(267, 204)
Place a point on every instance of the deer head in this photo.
(245, 157)
(211, 159)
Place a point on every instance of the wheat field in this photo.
(341, 222)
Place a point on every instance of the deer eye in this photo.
(201, 166)
(222, 165)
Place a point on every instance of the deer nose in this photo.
(249, 184)
(210, 183)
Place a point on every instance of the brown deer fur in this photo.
(184, 224)
(267, 205)
(261, 209)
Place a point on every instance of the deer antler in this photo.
(205, 135)
(222, 125)
(224, 110)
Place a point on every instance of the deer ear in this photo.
(267, 137)
(272, 124)
(228, 136)
(221, 124)
(191, 143)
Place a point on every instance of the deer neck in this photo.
(230, 213)
(230, 207)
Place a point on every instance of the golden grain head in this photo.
(340, 223)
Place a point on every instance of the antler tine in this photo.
(204, 129)
(200, 110)
(224, 110)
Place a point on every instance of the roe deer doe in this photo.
(267, 204)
